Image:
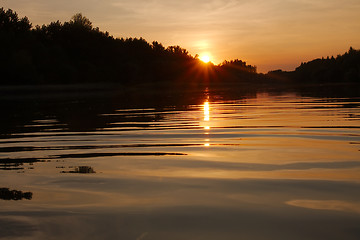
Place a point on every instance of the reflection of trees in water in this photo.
(18, 164)
(80, 111)
(7, 194)
(11, 166)
(81, 169)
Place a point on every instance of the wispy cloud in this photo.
(333, 205)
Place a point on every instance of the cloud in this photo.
(333, 205)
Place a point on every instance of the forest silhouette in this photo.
(344, 68)
(76, 52)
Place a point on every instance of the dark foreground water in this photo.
(186, 166)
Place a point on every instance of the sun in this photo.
(205, 58)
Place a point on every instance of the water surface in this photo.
(257, 166)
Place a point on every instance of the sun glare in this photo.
(205, 58)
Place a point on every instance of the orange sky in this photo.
(270, 34)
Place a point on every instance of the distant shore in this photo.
(74, 56)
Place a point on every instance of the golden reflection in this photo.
(206, 111)
(206, 121)
(207, 144)
(206, 115)
(209, 173)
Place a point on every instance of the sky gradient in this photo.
(270, 34)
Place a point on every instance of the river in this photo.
(198, 165)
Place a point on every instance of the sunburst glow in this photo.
(205, 58)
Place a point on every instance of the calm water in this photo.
(202, 166)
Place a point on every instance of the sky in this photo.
(270, 34)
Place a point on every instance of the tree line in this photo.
(343, 68)
(77, 52)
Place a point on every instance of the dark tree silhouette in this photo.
(76, 52)
(343, 68)
(78, 20)
(10, 21)
(238, 65)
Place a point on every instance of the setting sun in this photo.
(205, 58)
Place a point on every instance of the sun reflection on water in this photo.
(206, 111)
(206, 121)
